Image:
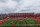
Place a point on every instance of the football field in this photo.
(20, 21)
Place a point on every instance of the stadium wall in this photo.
(21, 15)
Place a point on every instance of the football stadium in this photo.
(19, 13)
(20, 19)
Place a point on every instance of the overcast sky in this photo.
(19, 6)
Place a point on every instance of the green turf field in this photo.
(18, 22)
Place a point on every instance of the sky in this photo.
(19, 6)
